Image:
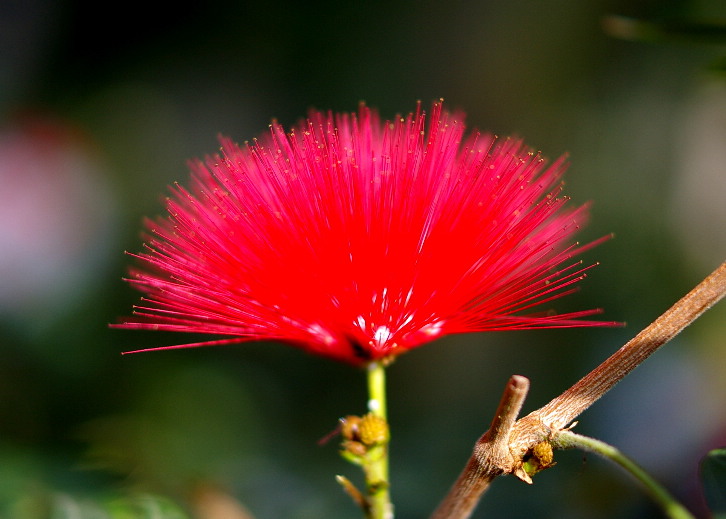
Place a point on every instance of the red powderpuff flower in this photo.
(359, 240)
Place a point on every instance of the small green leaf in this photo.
(713, 476)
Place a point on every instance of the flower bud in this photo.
(373, 430)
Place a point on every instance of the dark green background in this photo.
(143, 89)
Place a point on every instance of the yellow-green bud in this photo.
(373, 430)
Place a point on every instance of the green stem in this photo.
(376, 468)
(672, 508)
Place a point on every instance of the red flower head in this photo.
(359, 240)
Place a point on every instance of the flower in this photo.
(359, 240)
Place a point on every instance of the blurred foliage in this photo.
(677, 30)
(713, 474)
(111, 100)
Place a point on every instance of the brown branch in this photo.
(569, 405)
(491, 456)
(503, 448)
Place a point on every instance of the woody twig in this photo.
(504, 449)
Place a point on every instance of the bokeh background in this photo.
(102, 104)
